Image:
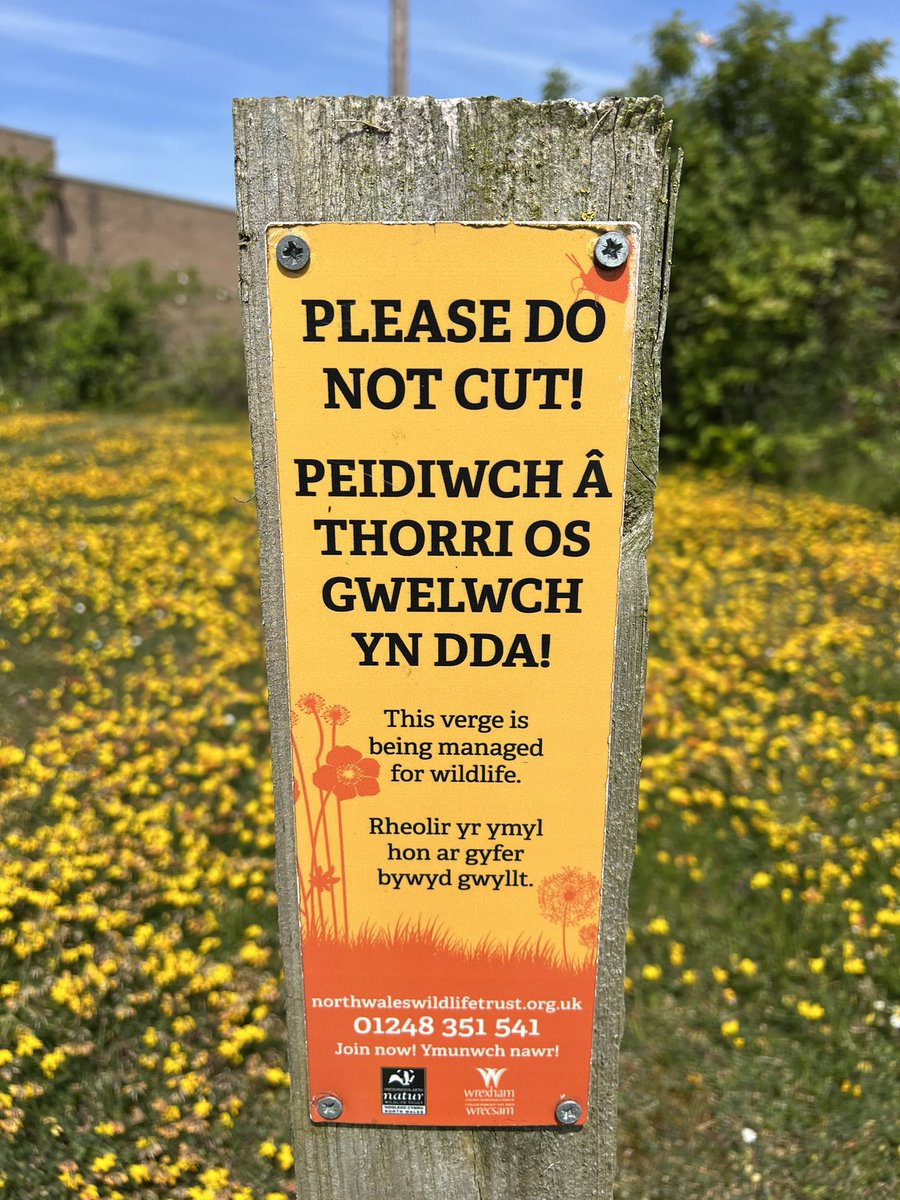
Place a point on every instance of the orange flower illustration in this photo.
(324, 881)
(339, 775)
(347, 774)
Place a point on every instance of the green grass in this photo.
(138, 938)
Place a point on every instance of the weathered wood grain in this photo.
(398, 159)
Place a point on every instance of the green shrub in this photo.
(211, 375)
(34, 288)
(70, 342)
(109, 349)
(779, 356)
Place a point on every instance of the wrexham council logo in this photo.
(491, 1075)
(492, 1100)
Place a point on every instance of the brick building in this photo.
(98, 225)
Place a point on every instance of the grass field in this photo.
(141, 1034)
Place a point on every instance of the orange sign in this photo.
(451, 410)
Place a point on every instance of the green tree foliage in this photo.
(33, 287)
(782, 350)
(558, 83)
(211, 375)
(109, 350)
(69, 341)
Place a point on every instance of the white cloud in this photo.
(89, 39)
(532, 64)
(523, 37)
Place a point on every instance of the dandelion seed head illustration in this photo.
(336, 714)
(569, 895)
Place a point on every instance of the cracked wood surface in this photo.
(399, 159)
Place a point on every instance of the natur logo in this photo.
(403, 1091)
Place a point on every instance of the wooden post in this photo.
(481, 160)
(399, 47)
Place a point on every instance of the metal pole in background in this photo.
(399, 47)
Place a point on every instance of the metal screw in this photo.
(329, 1107)
(292, 252)
(568, 1112)
(611, 250)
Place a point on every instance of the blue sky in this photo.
(140, 95)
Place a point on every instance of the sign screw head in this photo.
(611, 250)
(568, 1112)
(292, 252)
(329, 1107)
